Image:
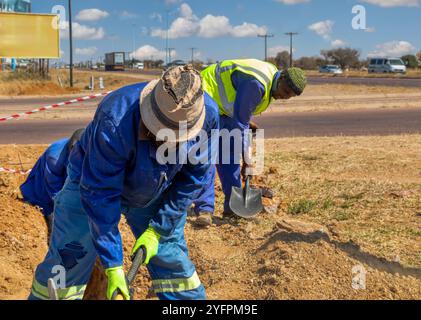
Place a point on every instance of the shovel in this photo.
(246, 202)
(137, 261)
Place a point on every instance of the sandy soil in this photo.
(341, 203)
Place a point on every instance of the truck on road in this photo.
(114, 61)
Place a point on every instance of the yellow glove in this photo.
(150, 241)
(117, 281)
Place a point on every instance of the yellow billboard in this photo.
(27, 35)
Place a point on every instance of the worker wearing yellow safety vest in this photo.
(241, 88)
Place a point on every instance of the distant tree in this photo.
(419, 55)
(344, 57)
(282, 60)
(198, 64)
(153, 64)
(410, 61)
(309, 63)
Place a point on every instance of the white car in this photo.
(386, 65)
(333, 69)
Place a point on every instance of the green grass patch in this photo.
(301, 206)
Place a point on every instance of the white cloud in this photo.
(91, 15)
(147, 52)
(393, 49)
(90, 51)
(247, 30)
(394, 3)
(156, 16)
(370, 29)
(210, 26)
(338, 43)
(126, 15)
(323, 28)
(292, 2)
(82, 32)
(214, 26)
(172, 1)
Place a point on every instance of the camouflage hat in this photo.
(296, 80)
(176, 102)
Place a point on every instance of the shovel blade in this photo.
(246, 203)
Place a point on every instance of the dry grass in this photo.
(19, 84)
(364, 189)
(23, 84)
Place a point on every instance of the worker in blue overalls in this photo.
(48, 175)
(241, 88)
(118, 167)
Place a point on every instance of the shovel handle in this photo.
(247, 182)
(137, 260)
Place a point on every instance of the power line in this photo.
(266, 36)
(291, 35)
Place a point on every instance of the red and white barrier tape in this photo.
(57, 105)
(13, 171)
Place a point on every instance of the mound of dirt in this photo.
(273, 256)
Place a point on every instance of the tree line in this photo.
(346, 58)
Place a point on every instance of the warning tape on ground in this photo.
(53, 106)
(13, 171)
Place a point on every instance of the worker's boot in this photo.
(190, 211)
(204, 220)
(229, 214)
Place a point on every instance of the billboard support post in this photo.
(71, 42)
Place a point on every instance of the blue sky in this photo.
(222, 29)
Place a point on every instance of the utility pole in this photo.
(266, 36)
(134, 41)
(291, 34)
(71, 42)
(169, 54)
(192, 55)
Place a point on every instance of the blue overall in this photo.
(47, 177)
(250, 93)
(113, 171)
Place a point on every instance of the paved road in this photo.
(362, 122)
(395, 82)
(391, 82)
(277, 124)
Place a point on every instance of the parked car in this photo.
(386, 65)
(175, 63)
(139, 66)
(331, 69)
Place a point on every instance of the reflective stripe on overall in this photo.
(70, 293)
(176, 285)
(217, 82)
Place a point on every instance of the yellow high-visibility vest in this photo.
(217, 82)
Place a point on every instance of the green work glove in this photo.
(149, 240)
(117, 280)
